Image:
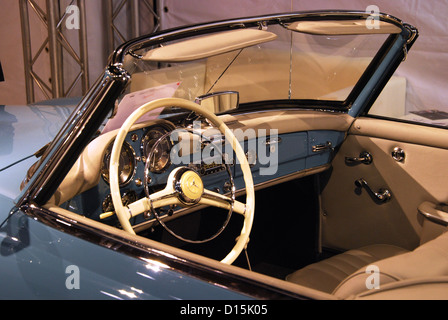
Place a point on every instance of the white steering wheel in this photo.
(184, 186)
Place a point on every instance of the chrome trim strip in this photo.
(291, 176)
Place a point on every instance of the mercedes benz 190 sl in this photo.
(238, 159)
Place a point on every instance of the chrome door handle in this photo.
(364, 157)
(322, 147)
(272, 141)
(383, 195)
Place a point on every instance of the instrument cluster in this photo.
(153, 149)
(145, 162)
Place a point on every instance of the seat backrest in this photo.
(425, 267)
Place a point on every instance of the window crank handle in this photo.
(383, 195)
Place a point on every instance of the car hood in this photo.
(23, 131)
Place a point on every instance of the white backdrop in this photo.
(426, 68)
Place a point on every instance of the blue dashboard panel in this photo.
(292, 152)
(276, 156)
(270, 158)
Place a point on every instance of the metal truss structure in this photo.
(137, 11)
(62, 49)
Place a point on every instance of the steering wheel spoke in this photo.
(156, 200)
(215, 199)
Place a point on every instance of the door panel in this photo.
(351, 218)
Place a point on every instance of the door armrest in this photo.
(437, 213)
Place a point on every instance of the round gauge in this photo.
(156, 144)
(126, 165)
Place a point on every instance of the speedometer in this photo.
(126, 166)
(156, 147)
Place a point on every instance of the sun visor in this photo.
(209, 45)
(344, 27)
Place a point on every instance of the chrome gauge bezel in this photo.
(148, 145)
(132, 163)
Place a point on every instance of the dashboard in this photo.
(151, 151)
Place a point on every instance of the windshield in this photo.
(271, 64)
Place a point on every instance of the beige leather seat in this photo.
(418, 274)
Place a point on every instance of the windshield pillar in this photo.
(77, 132)
(392, 59)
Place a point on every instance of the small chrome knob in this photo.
(398, 154)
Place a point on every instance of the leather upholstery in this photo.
(327, 274)
(425, 265)
(418, 274)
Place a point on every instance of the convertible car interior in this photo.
(254, 148)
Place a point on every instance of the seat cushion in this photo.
(428, 262)
(327, 274)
